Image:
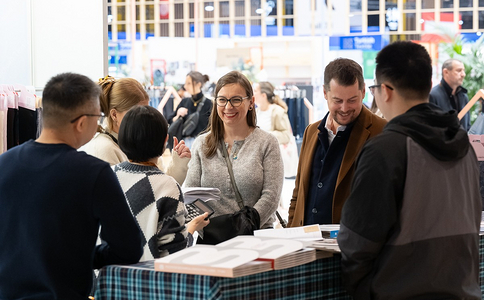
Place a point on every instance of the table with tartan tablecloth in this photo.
(320, 279)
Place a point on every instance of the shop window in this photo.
(150, 30)
(121, 32)
(465, 3)
(255, 28)
(255, 8)
(426, 16)
(179, 30)
(208, 29)
(164, 29)
(121, 13)
(373, 5)
(409, 22)
(390, 4)
(465, 21)
(224, 29)
(481, 20)
(356, 23)
(446, 3)
(191, 10)
(373, 23)
(288, 27)
(240, 9)
(224, 9)
(288, 7)
(191, 29)
(409, 4)
(355, 5)
(178, 11)
(271, 7)
(428, 4)
(239, 29)
(208, 9)
(150, 12)
(164, 10)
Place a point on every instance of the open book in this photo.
(240, 256)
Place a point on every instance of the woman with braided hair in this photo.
(117, 97)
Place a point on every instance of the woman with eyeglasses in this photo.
(253, 154)
(118, 96)
(197, 102)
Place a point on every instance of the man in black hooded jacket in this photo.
(410, 227)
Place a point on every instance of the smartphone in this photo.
(197, 208)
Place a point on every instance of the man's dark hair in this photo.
(142, 133)
(345, 72)
(407, 67)
(65, 95)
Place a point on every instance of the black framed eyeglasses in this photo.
(234, 101)
(373, 87)
(100, 116)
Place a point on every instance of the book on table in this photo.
(282, 253)
(319, 237)
(240, 256)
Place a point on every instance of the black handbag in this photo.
(175, 129)
(225, 227)
(191, 122)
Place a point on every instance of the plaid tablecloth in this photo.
(320, 279)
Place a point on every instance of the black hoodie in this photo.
(437, 132)
(409, 228)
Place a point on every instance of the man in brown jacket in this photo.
(330, 147)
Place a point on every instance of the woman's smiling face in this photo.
(230, 115)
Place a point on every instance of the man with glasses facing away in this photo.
(410, 227)
(330, 147)
(53, 200)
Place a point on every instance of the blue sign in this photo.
(362, 42)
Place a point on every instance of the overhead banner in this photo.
(361, 42)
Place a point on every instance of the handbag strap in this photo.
(240, 202)
(199, 106)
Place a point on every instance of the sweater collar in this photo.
(197, 97)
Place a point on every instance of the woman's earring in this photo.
(250, 107)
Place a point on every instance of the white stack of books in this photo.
(240, 256)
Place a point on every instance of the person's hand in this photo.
(181, 112)
(198, 223)
(181, 149)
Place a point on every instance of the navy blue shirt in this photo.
(52, 201)
(326, 164)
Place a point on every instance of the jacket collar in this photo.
(448, 89)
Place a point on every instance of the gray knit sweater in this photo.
(258, 172)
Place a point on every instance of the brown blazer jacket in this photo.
(367, 125)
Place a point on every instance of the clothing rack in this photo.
(300, 108)
(19, 115)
